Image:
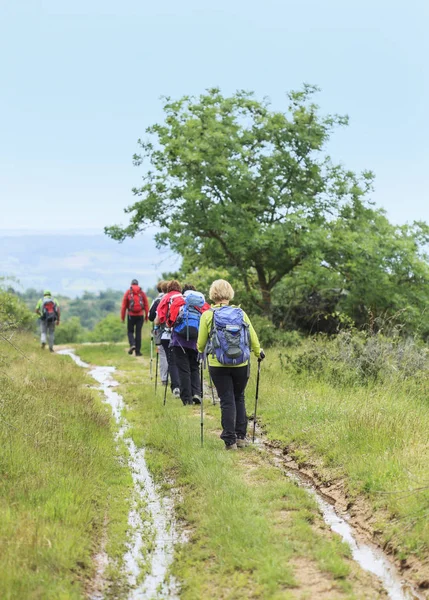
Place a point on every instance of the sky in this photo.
(81, 81)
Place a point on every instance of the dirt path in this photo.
(147, 573)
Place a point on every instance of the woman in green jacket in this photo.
(229, 375)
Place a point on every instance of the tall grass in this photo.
(60, 478)
(359, 408)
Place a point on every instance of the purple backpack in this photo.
(229, 338)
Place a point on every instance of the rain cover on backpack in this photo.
(229, 337)
(187, 323)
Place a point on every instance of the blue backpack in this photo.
(229, 339)
(187, 323)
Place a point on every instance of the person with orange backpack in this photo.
(49, 311)
(136, 302)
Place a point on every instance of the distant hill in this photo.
(69, 264)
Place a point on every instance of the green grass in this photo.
(60, 478)
(248, 522)
(374, 437)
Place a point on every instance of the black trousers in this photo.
(135, 325)
(189, 373)
(230, 383)
(172, 369)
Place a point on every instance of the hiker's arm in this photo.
(254, 341)
(203, 333)
(161, 313)
(124, 306)
(37, 311)
(146, 307)
(58, 314)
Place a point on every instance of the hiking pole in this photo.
(202, 404)
(156, 370)
(151, 356)
(256, 399)
(211, 385)
(166, 386)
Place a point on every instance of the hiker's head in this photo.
(221, 290)
(173, 286)
(47, 293)
(159, 286)
(188, 286)
(134, 282)
(164, 287)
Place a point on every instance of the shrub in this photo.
(109, 329)
(270, 335)
(360, 357)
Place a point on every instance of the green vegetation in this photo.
(357, 408)
(249, 192)
(250, 527)
(62, 487)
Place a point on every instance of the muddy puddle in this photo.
(370, 558)
(158, 530)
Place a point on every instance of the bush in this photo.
(14, 314)
(109, 329)
(70, 332)
(270, 335)
(360, 357)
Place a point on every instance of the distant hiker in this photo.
(158, 330)
(173, 291)
(227, 337)
(135, 301)
(49, 311)
(184, 319)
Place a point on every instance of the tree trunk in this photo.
(265, 302)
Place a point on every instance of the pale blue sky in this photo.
(81, 80)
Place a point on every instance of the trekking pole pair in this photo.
(256, 399)
(156, 370)
(151, 356)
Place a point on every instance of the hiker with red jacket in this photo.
(135, 301)
(184, 320)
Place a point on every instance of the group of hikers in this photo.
(186, 331)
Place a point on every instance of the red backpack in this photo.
(135, 300)
(49, 310)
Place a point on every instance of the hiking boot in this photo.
(139, 354)
(131, 350)
(230, 446)
(176, 393)
(196, 399)
(164, 383)
(242, 442)
(42, 345)
(51, 349)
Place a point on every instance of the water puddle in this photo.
(160, 529)
(369, 558)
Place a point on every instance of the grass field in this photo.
(253, 533)
(372, 437)
(61, 486)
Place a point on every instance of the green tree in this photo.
(109, 329)
(234, 185)
(70, 331)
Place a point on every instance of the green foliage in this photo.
(360, 358)
(234, 185)
(63, 488)
(70, 332)
(109, 329)
(14, 314)
(270, 335)
(364, 427)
